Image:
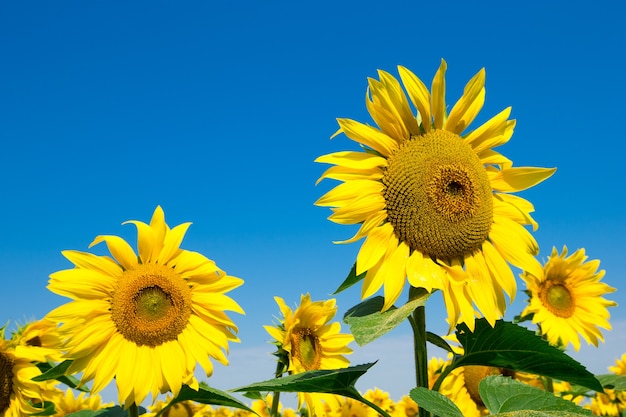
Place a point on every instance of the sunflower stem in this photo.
(133, 410)
(418, 324)
(280, 367)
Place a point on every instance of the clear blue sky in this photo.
(215, 110)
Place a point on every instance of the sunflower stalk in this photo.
(133, 410)
(418, 324)
(280, 368)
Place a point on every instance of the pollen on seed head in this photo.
(152, 305)
(438, 196)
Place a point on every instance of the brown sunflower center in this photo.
(474, 374)
(6, 381)
(181, 409)
(438, 196)
(557, 298)
(305, 347)
(152, 305)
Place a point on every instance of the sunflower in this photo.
(18, 393)
(67, 403)
(42, 338)
(311, 341)
(432, 199)
(566, 299)
(144, 320)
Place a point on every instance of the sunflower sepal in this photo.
(367, 323)
(352, 279)
(47, 408)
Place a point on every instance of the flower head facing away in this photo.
(151, 316)
(432, 199)
(566, 299)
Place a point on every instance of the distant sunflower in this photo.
(18, 392)
(433, 199)
(311, 341)
(42, 338)
(566, 299)
(67, 403)
(150, 317)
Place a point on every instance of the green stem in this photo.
(418, 323)
(133, 411)
(276, 399)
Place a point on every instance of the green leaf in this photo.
(367, 323)
(336, 381)
(434, 402)
(350, 280)
(49, 371)
(505, 395)
(510, 346)
(46, 410)
(116, 411)
(612, 381)
(208, 395)
(438, 341)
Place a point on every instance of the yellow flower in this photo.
(17, 390)
(180, 409)
(66, 403)
(620, 366)
(610, 403)
(406, 407)
(566, 299)
(311, 340)
(348, 407)
(144, 320)
(432, 199)
(42, 338)
(380, 398)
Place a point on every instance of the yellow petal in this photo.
(395, 267)
(368, 135)
(496, 126)
(518, 179)
(348, 191)
(422, 272)
(146, 240)
(516, 245)
(438, 98)
(171, 243)
(374, 248)
(119, 248)
(468, 106)
(351, 159)
(419, 95)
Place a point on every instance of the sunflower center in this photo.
(6, 381)
(473, 375)
(152, 305)
(305, 348)
(557, 298)
(181, 409)
(438, 196)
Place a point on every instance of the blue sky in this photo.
(216, 111)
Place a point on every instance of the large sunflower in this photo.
(566, 299)
(432, 198)
(145, 320)
(311, 341)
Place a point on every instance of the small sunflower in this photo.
(18, 392)
(311, 341)
(67, 403)
(144, 320)
(566, 299)
(42, 338)
(433, 200)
